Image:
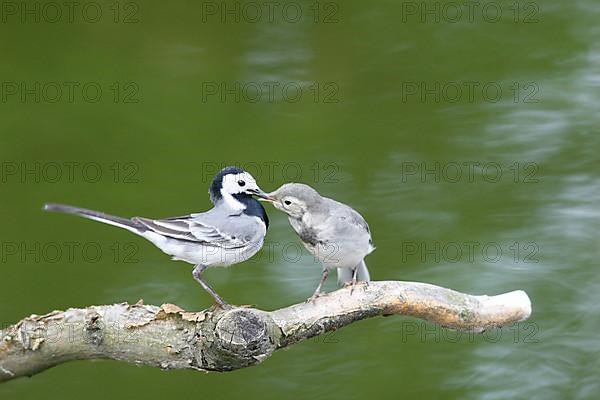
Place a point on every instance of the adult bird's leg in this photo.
(317, 292)
(197, 273)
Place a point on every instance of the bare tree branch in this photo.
(214, 340)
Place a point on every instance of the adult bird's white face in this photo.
(241, 183)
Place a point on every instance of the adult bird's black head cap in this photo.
(217, 184)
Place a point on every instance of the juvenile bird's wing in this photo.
(202, 228)
(352, 223)
(350, 216)
(357, 219)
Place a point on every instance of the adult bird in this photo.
(334, 233)
(229, 233)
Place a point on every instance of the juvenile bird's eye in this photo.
(241, 183)
(287, 202)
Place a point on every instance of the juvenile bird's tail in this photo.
(345, 274)
(97, 216)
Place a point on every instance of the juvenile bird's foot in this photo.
(353, 285)
(314, 297)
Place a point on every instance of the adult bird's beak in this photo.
(262, 196)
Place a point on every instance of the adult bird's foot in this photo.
(224, 306)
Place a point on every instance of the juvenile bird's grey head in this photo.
(295, 199)
(233, 181)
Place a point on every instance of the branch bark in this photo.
(215, 340)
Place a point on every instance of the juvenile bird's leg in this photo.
(354, 279)
(317, 292)
(354, 276)
(197, 273)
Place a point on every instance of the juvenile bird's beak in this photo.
(267, 198)
(262, 196)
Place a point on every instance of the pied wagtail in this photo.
(229, 233)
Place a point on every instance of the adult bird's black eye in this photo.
(241, 183)
(287, 202)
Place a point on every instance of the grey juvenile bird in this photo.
(229, 233)
(334, 233)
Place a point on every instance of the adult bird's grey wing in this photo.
(192, 228)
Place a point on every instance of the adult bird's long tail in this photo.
(345, 274)
(125, 223)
